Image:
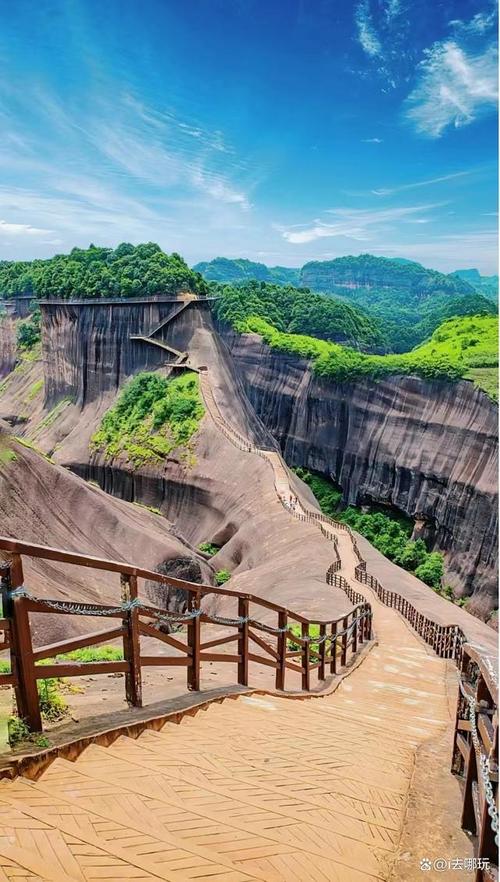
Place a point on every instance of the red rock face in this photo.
(427, 448)
(7, 345)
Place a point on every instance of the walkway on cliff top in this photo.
(261, 787)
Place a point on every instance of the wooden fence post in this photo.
(333, 650)
(361, 626)
(306, 657)
(243, 608)
(322, 652)
(281, 650)
(354, 647)
(131, 642)
(21, 648)
(194, 643)
(343, 657)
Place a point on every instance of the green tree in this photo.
(431, 570)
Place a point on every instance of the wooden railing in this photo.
(475, 756)
(476, 752)
(445, 640)
(326, 650)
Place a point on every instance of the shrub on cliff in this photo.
(153, 416)
(28, 331)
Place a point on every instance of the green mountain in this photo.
(297, 311)
(408, 299)
(409, 281)
(487, 285)
(126, 271)
(239, 270)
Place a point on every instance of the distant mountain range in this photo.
(348, 273)
(487, 285)
(223, 269)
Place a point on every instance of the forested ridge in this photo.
(126, 271)
(237, 270)
(404, 301)
(297, 311)
(461, 347)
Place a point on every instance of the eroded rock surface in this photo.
(426, 448)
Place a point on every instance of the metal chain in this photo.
(83, 609)
(484, 764)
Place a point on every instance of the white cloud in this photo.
(358, 224)
(478, 25)
(388, 191)
(454, 88)
(367, 34)
(11, 229)
(373, 140)
(392, 9)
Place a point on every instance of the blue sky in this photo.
(278, 130)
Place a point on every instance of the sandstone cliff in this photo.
(7, 344)
(428, 449)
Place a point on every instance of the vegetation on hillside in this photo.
(237, 271)
(387, 532)
(296, 311)
(368, 271)
(402, 301)
(455, 347)
(152, 417)
(126, 271)
(29, 331)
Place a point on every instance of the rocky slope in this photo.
(428, 449)
(43, 503)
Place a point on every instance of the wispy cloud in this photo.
(480, 24)
(454, 87)
(367, 34)
(10, 229)
(357, 224)
(389, 191)
(123, 170)
(373, 141)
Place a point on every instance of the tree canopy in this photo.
(298, 311)
(126, 271)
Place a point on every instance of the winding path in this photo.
(256, 788)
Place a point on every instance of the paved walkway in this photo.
(255, 788)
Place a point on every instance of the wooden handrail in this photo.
(475, 755)
(18, 604)
(42, 552)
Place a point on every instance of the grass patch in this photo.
(92, 654)
(486, 378)
(209, 548)
(222, 576)
(53, 414)
(456, 347)
(150, 508)
(34, 390)
(152, 417)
